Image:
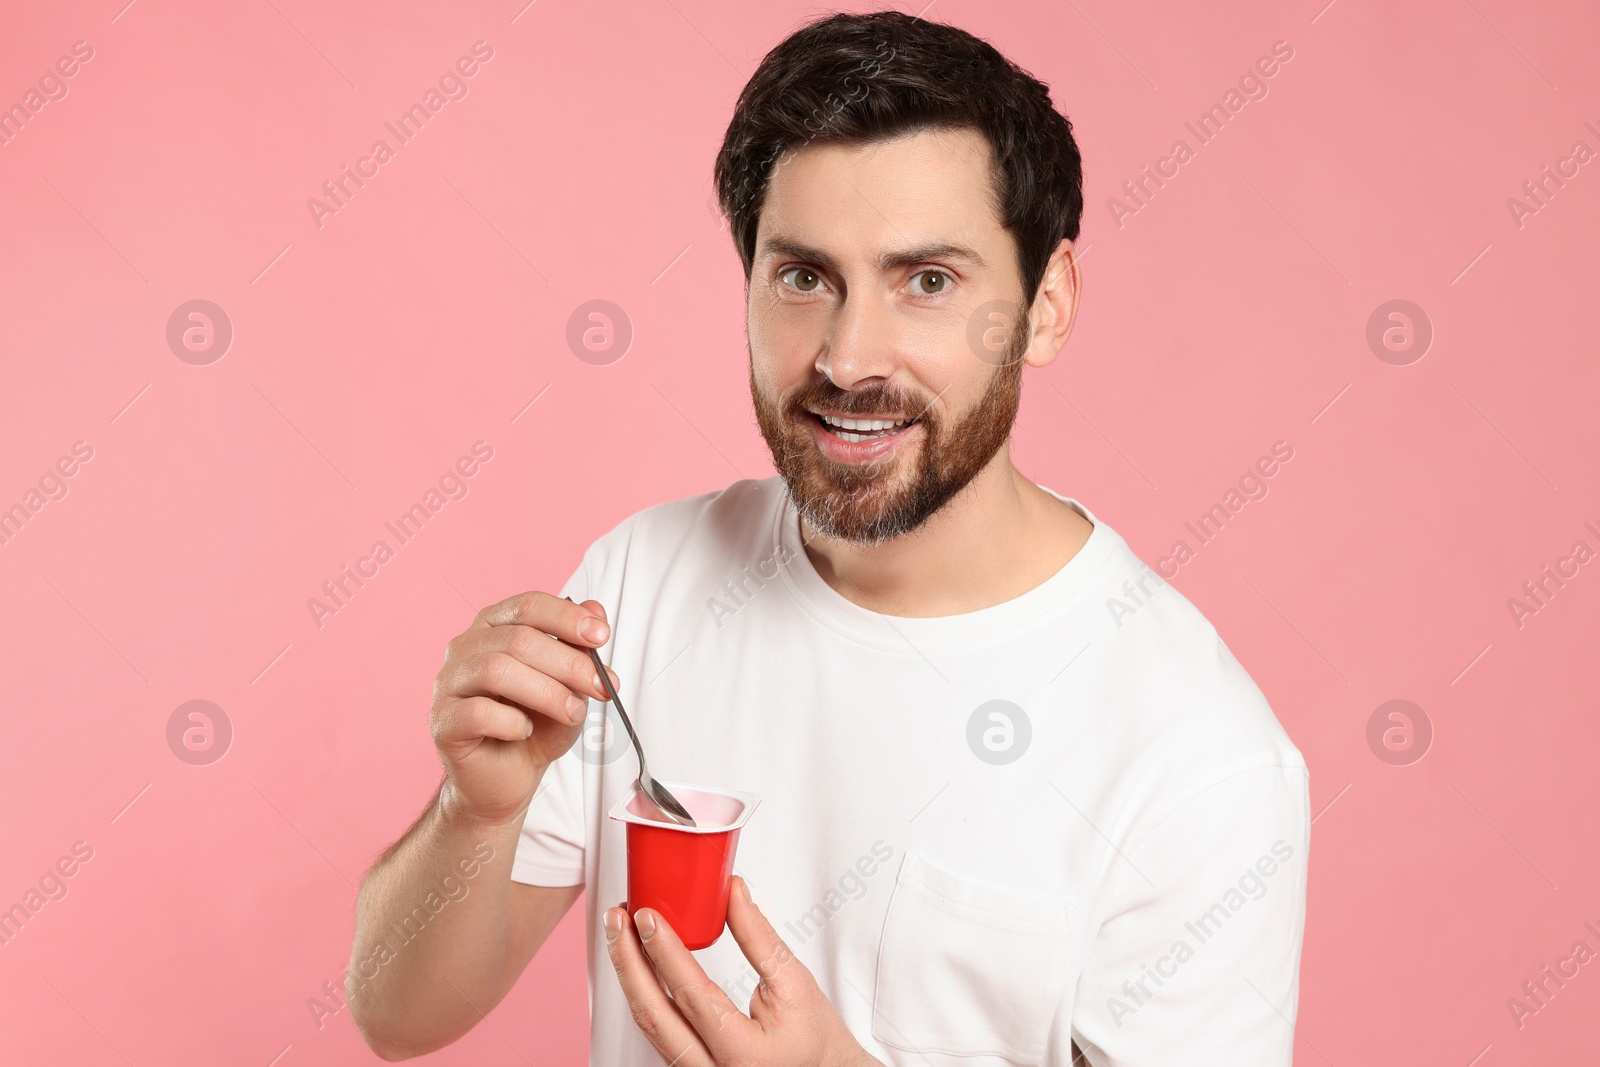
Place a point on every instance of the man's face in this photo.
(878, 270)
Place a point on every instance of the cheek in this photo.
(784, 343)
(935, 348)
(771, 375)
(785, 323)
(760, 303)
(948, 372)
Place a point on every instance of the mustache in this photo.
(878, 400)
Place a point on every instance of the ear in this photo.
(1055, 306)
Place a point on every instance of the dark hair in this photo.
(858, 78)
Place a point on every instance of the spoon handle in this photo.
(658, 794)
(616, 702)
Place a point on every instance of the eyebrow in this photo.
(890, 260)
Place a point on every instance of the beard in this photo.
(870, 503)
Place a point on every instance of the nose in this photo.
(862, 347)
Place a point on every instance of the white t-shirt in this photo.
(1072, 814)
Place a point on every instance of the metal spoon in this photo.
(651, 789)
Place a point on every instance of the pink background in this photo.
(1228, 313)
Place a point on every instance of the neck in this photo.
(993, 541)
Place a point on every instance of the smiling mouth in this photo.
(856, 429)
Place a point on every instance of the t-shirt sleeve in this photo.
(1197, 960)
(550, 849)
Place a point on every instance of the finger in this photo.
(476, 717)
(501, 676)
(569, 665)
(713, 1014)
(762, 946)
(583, 624)
(657, 1017)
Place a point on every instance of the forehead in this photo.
(931, 185)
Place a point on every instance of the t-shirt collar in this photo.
(1057, 594)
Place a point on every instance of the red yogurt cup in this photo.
(684, 872)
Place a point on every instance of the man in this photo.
(1017, 795)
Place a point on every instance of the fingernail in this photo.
(613, 924)
(598, 687)
(592, 629)
(575, 706)
(645, 920)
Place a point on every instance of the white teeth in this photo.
(863, 424)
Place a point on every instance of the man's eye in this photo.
(802, 279)
(929, 282)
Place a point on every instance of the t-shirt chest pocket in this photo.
(967, 969)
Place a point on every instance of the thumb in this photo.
(760, 943)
